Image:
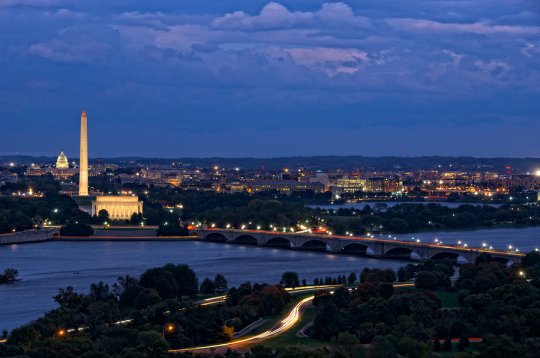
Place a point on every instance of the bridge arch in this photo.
(402, 252)
(279, 242)
(215, 236)
(245, 240)
(314, 245)
(356, 249)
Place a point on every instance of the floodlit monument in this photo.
(83, 164)
(118, 207)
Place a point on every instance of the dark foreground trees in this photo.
(142, 317)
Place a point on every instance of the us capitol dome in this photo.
(62, 161)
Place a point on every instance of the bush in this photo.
(76, 229)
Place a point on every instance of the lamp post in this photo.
(169, 328)
(60, 333)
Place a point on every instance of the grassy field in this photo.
(448, 299)
(472, 348)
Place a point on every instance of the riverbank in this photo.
(28, 236)
(124, 238)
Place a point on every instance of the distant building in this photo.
(8, 177)
(383, 185)
(285, 186)
(348, 185)
(527, 182)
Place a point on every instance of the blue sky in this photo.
(256, 78)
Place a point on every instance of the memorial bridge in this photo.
(368, 246)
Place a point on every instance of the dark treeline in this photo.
(20, 213)
(405, 218)
(324, 162)
(262, 209)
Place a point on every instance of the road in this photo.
(288, 322)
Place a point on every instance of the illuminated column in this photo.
(83, 165)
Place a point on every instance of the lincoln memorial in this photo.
(118, 207)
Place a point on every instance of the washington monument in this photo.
(83, 165)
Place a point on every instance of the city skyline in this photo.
(270, 79)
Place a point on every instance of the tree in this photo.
(207, 287)
(103, 216)
(447, 345)
(9, 276)
(290, 279)
(136, 219)
(185, 277)
(161, 280)
(351, 278)
(220, 283)
(76, 229)
(531, 259)
(426, 280)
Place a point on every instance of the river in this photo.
(46, 267)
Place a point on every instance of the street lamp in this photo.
(169, 328)
(60, 333)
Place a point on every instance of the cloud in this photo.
(287, 64)
(276, 16)
(481, 28)
(84, 44)
(328, 60)
(30, 3)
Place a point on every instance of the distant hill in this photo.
(519, 165)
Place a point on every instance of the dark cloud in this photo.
(158, 71)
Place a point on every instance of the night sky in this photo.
(256, 78)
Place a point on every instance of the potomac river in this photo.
(46, 267)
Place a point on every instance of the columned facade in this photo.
(118, 207)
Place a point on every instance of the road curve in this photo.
(292, 317)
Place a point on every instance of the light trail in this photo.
(221, 299)
(282, 326)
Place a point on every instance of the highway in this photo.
(292, 317)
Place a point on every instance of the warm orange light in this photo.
(61, 332)
(170, 328)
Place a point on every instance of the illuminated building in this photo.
(348, 185)
(62, 161)
(118, 207)
(285, 186)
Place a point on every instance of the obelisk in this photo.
(83, 164)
